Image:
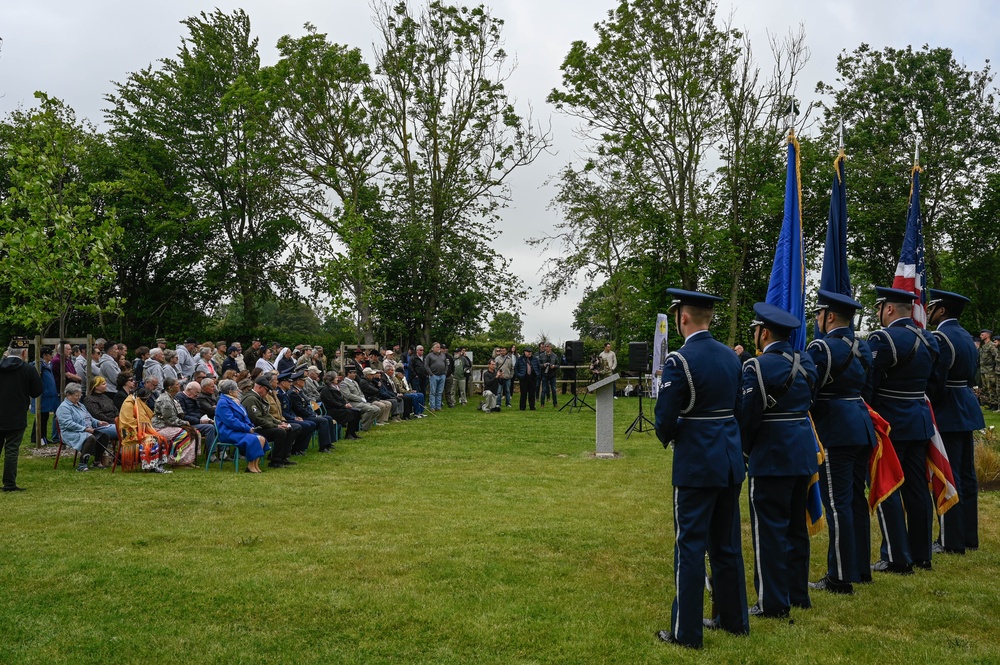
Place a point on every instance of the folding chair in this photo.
(55, 425)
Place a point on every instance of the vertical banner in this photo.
(659, 351)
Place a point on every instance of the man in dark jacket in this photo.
(277, 432)
(527, 370)
(19, 383)
(301, 408)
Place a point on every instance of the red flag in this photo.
(939, 476)
(883, 465)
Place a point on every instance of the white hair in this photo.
(156, 351)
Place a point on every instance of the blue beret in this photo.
(886, 294)
(285, 376)
(775, 318)
(837, 302)
(691, 298)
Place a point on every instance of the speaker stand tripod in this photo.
(637, 424)
(576, 402)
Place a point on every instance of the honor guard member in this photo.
(779, 441)
(696, 410)
(903, 358)
(846, 432)
(957, 413)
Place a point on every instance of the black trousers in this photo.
(527, 384)
(960, 525)
(348, 418)
(11, 439)
(281, 442)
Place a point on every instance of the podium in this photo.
(605, 421)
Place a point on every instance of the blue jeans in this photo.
(504, 387)
(437, 389)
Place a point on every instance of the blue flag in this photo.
(835, 276)
(787, 288)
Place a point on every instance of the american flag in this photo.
(910, 271)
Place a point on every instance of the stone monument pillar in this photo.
(605, 391)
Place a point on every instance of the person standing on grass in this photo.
(958, 414)
(19, 383)
(527, 370)
(779, 442)
(697, 410)
(437, 367)
(903, 358)
(845, 428)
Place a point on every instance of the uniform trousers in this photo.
(11, 439)
(906, 516)
(281, 442)
(780, 542)
(842, 478)
(707, 519)
(960, 525)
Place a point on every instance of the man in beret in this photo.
(301, 407)
(305, 427)
(278, 433)
(958, 414)
(846, 431)
(903, 359)
(19, 384)
(779, 442)
(988, 360)
(696, 410)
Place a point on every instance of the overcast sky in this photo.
(74, 49)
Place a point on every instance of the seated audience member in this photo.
(275, 431)
(234, 426)
(312, 385)
(319, 359)
(219, 357)
(170, 370)
(285, 362)
(209, 397)
(191, 405)
(109, 367)
(80, 430)
(302, 409)
(141, 356)
(152, 386)
(139, 440)
(338, 407)
(101, 406)
(229, 363)
(168, 420)
(79, 361)
(490, 386)
(411, 398)
(126, 386)
(281, 388)
(351, 391)
(264, 363)
(370, 391)
(203, 363)
(198, 376)
(153, 367)
(185, 358)
(387, 392)
(95, 361)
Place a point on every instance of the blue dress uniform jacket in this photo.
(901, 369)
(778, 440)
(846, 431)
(697, 408)
(900, 377)
(958, 413)
(955, 405)
(839, 412)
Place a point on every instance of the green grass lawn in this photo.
(466, 538)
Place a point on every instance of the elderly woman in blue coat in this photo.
(234, 426)
(80, 430)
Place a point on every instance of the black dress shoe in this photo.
(826, 583)
(15, 488)
(299, 453)
(897, 568)
(755, 611)
(353, 437)
(288, 462)
(276, 465)
(326, 450)
(668, 637)
(924, 565)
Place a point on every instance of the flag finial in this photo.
(915, 127)
(791, 112)
(840, 134)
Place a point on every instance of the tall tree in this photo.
(878, 95)
(56, 234)
(209, 108)
(325, 99)
(454, 139)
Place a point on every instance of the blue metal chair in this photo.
(222, 447)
